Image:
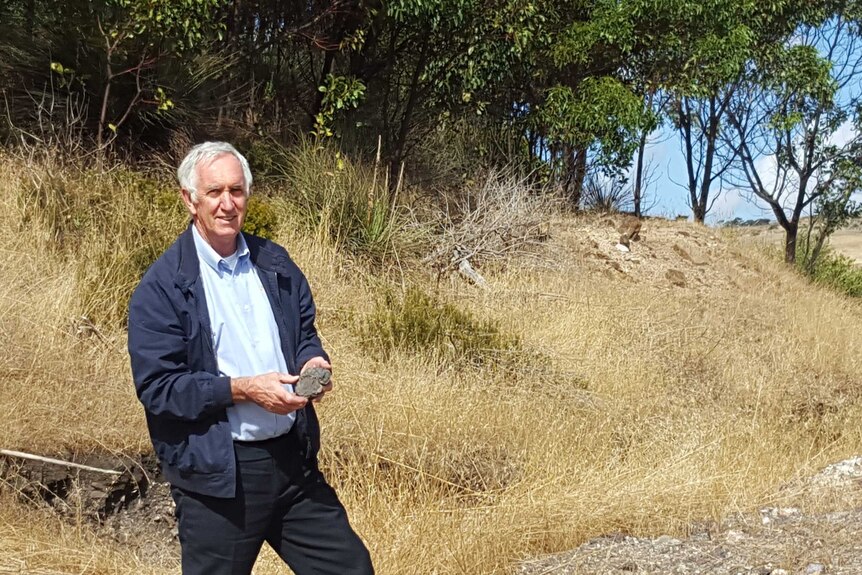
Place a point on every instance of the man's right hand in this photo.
(267, 391)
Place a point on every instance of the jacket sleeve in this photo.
(309, 342)
(158, 346)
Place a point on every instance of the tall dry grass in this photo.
(651, 407)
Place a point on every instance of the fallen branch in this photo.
(470, 273)
(22, 455)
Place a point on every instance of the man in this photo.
(217, 327)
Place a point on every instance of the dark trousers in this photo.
(282, 499)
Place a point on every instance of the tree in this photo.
(796, 122)
(113, 54)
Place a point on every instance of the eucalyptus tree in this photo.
(725, 36)
(796, 123)
(427, 62)
(601, 61)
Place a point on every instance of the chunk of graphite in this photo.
(312, 381)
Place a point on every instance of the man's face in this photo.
(221, 203)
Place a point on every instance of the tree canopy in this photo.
(570, 85)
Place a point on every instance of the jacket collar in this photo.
(261, 255)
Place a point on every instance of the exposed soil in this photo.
(662, 253)
(772, 541)
(133, 507)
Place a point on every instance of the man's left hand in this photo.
(319, 361)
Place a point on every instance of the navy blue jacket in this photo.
(174, 363)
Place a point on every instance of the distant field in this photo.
(849, 243)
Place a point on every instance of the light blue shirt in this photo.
(245, 335)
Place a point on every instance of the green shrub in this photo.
(416, 321)
(260, 218)
(839, 273)
(266, 158)
(831, 269)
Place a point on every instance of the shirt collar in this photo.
(210, 257)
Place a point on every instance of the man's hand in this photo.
(267, 391)
(318, 361)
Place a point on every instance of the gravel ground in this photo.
(772, 541)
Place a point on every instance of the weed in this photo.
(346, 203)
(416, 321)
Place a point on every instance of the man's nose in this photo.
(226, 201)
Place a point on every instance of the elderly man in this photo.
(218, 329)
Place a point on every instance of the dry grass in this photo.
(659, 406)
(34, 542)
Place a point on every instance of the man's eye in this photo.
(213, 193)
(237, 191)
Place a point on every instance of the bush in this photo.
(260, 218)
(416, 321)
(839, 273)
(493, 220)
(831, 269)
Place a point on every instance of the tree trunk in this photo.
(575, 173)
(639, 167)
(790, 243)
(639, 175)
(399, 151)
(31, 17)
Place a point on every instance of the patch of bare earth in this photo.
(664, 254)
(123, 499)
(807, 537)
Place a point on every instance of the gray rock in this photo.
(815, 569)
(668, 541)
(311, 382)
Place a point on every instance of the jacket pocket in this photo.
(194, 450)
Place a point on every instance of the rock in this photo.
(841, 474)
(675, 277)
(623, 248)
(733, 537)
(630, 228)
(689, 256)
(770, 515)
(311, 382)
(815, 569)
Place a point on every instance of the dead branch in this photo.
(22, 455)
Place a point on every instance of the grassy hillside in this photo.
(611, 394)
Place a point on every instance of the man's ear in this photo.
(187, 200)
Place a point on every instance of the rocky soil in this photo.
(132, 506)
(772, 541)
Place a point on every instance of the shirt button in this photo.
(246, 307)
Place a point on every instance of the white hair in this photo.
(187, 173)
